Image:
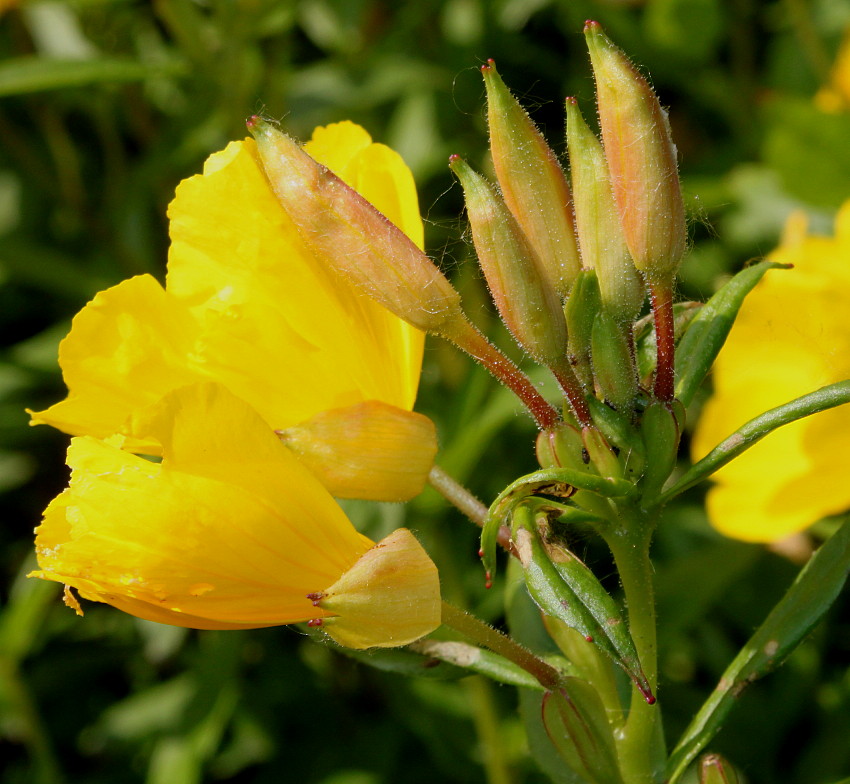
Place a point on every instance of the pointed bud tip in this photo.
(591, 26)
(571, 101)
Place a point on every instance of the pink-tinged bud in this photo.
(600, 237)
(529, 307)
(533, 183)
(390, 597)
(371, 450)
(713, 769)
(351, 237)
(641, 160)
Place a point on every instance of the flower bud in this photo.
(371, 450)
(579, 311)
(533, 183)
(713, 769)
(351, 237)
(600, 237)
(641, 160)
(613, 365)
(562, 446)
(390, 597)
(528, 305)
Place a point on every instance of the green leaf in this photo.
(742, 439)
(564, 588)
(808, 599)
(558, 481)
(24, 75)
(707, 332)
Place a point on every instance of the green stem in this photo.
(482, 634)
(641, 758)
(457, 495)
(486, 718)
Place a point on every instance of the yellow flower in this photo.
(228, 531)
(791, 337)
(247, 305)
(835, 97)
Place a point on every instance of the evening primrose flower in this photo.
(229, 531)
(792, 336)
(248, 305)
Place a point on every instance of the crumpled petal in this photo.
(792, 336)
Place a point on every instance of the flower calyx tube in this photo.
(641, 160)
(533, 183)
(603, 246)
(371, 450)
(527, 303)
(353, 239)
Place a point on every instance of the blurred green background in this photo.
(106, 104)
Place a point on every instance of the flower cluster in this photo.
(266, 385)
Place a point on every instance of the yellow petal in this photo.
(390, 597)
(246, 305)
(229, 531)
(370, 450)
(791, 337)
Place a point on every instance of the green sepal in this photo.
(613, 367)
(707, 332)
(800, 610)
(554, 481)
(660, 431)
(602, 456)
(575, 721)
(564, 588)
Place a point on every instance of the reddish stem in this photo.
(569, 382)
(467, 337)
(661, 297)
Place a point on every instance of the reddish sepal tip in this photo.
(590, 24)
(253, 121)
(480, 552)
(454, 157)
(589, 638)
(650, 699)
(486, 68)
(315, 622)
(571, 100)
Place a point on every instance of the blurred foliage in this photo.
(106, 104)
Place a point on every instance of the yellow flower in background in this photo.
(247, 305)
(792, 336)
(229, 531)
(835, 97)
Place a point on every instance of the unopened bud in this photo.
(600, 237)
(528, 305)
(372, 450)
(351, 237)
(533, 183)
(713, 769)
(562, 447)
(661, 432)
(613, 364)
(580, 309)
(641, 160)
(390, 597)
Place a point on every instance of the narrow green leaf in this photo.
(564, 588)
(476, 660)
(742, 439)
(35, 74)
(808, 599)
(707, 332)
